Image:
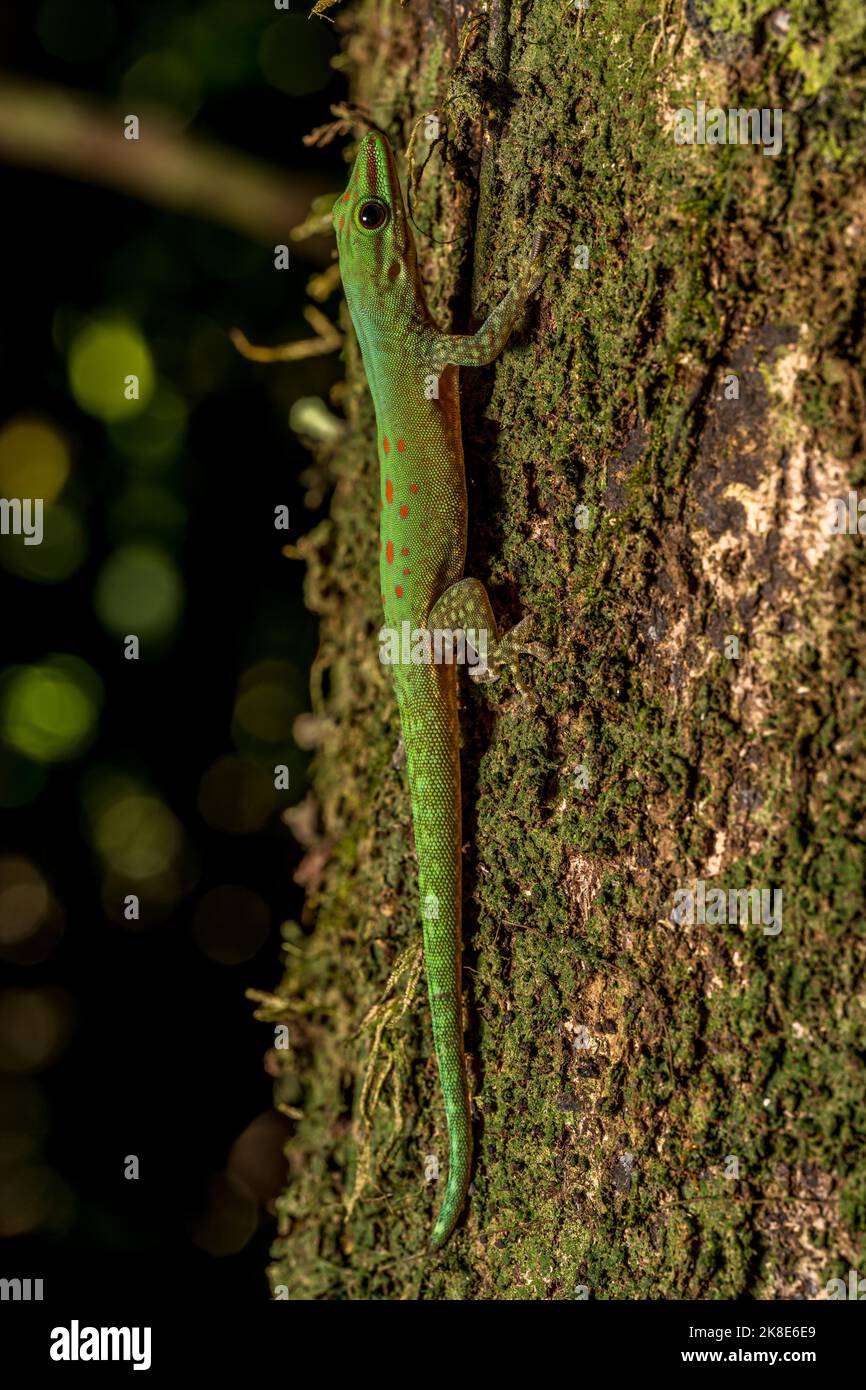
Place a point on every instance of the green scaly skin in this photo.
(412, 372)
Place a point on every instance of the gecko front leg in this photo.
(477, 349)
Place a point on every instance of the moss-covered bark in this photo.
(698, 388)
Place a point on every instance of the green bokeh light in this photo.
(224, 252)
(165, 82)
(143, 512)
(61, 552)
(49, 712)
(102, 356)
(139, 590)
(220, 39)
(76, 33)
(21, 781)
(153, 437)
(295, 56)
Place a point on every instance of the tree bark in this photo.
(665, 1107)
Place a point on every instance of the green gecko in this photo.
(411, 368)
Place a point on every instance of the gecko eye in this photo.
(372, 215)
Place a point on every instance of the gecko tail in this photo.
(433, 763)
(455, 1195)
(446, 1009)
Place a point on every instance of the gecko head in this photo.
(374, 239)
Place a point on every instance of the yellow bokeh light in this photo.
(231, 923)
(35, 1025)
(104, 358)
(137, 835)
(27, 1199)
(267, 712)
(236, 795)
(268, 701)
(49, 712)
(23, 899)
(34, 459)
(141, 843)
(230, 1218)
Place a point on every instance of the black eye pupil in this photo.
(371, 216)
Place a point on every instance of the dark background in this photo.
(134, 1038)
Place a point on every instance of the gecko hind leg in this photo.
(465, 608)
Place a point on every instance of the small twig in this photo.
(328, 340)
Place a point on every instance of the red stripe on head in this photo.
(372, 167)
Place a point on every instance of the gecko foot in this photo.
(506, 654)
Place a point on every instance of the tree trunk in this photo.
(668, 1081)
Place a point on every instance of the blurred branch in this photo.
(80, 137)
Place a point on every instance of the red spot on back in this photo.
(401, 445)
(405, 550)
(399, 591)
(389, 552)
(342, 221)
(346, 196)
(404, 511)
(407, 571)
(385, 445)
(389, 490)
(413, 487)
